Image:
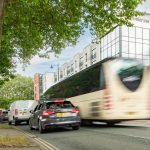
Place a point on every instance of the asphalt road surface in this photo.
(97, 137)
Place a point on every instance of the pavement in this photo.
(35, 143)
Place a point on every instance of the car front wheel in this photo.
(9, 122)
(41, 130)
(30, 125)
(75, 127)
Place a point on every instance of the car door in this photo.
(32, 116)
(36, 115)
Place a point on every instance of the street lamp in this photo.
(57, 65)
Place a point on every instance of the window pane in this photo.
(105, 53)
(146, 62)
(139, 40)
(109, 51)
(113, 50)
(145, 33)
(124, 38)
(131, 31)
(109, 37)
(132, 39)
(102, 42)
(113, 35)
(138, 32)
(124, 30)
(117, 47)
(117, 31)
(138, 48)
(146, 49)
(105, 40)
(124, 46)
(145, 57)
(124, 55)
(131, 47)
(132, 55)
(139, 56)
(146, 41)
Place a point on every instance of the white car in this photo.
(20, 111)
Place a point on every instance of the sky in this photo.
(42, 65)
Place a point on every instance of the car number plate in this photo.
(60, 114)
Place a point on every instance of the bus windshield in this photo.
(130, 72)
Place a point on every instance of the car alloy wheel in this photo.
(75, 127)
(30, 125)
(41, 130)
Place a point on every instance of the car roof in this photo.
(55, 100)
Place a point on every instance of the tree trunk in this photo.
(1, 18)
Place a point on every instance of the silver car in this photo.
(54, 113)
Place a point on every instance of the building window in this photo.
(138, 48)
(124, 30)
(146, 33)
(131, 31)
(138, 32)
(75, 64)
(85, 57)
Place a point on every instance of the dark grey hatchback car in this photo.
(54, 113)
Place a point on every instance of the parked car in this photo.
(3, 115)
(54, 113)
(20, 111)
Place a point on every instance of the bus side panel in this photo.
(90, 105)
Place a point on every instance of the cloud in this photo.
(145, 6)
(42, 65)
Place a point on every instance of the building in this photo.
(130, 42)
(41, 83)
(37, 86)
(47, 80)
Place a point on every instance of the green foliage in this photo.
(19, 88)
(30, 26)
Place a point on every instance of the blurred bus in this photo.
(111, 91)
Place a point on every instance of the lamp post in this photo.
(57, 65)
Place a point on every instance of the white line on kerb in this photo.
(47, 145)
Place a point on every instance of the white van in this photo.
(20, 111)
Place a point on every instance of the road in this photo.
(97, 137)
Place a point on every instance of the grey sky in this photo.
(145, 6)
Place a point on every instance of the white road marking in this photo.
(129, 135)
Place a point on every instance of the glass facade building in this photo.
(129, 42)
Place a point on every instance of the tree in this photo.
(30, 26)
(19, 88)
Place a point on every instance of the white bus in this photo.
(111, 91)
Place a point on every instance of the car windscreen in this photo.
(130, 72)
(58, 105)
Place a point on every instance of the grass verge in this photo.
(16, 141)
(5, 126)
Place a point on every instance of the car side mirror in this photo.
(31, 111)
